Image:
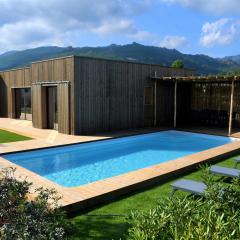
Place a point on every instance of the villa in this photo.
(81, 95)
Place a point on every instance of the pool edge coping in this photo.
(84, 142)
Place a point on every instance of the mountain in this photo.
(235, 59)
(15, 59)
(8, 53)
(202, 64)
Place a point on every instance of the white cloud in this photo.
(220, 32)
(61, 22)
(211, 6)
(143, 36)
(124, 27)
(173, 42)
(114, 26)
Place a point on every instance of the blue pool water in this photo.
(80, 164)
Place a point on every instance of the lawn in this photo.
(6, 136)
(102, 226)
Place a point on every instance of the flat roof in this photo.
(95, 58)
(132, 62)
(14, 69)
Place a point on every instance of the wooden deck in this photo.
(87, 196)
(43, 138)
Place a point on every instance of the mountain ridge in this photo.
(134, 52)
(235, 58)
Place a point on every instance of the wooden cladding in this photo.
(53, 70)
(109, 95)
(208, 104)
(40, 115)
(93, 95)
(3, 98)
(165, 104)
(64, 116)
(57, 71)
(61, 73)
(211, 96)
(148, 95)
(17, 78)
(13, 103)
(8, 80)
(39, 104)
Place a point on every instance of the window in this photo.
(148, 95)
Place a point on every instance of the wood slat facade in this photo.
(59, 73)
(109, 95)
(9, 80)
(93, 95)
(39, 112)
(208, 104)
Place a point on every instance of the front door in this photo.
(52, 108)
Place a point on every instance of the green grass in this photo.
(104, 227)
(6, 137)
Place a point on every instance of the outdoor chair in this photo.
(198, 188)
(225, 171)
(237, 161)
(191, 186)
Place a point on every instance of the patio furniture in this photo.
(191, 186)
(237, 161)
(225, 171)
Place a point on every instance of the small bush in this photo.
(214, 217)
(25, 219)
(178, 64)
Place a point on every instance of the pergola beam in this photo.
(197, 79)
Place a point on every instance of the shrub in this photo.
(214, 217)
(178, 64)
(25, 219)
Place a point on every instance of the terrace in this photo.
(108, 221)
(92, 194)
(207, 105)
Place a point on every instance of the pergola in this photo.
(201, 81)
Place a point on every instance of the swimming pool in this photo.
(79, 164)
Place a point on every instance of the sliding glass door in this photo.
(23, 103)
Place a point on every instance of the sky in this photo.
(209, 27)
